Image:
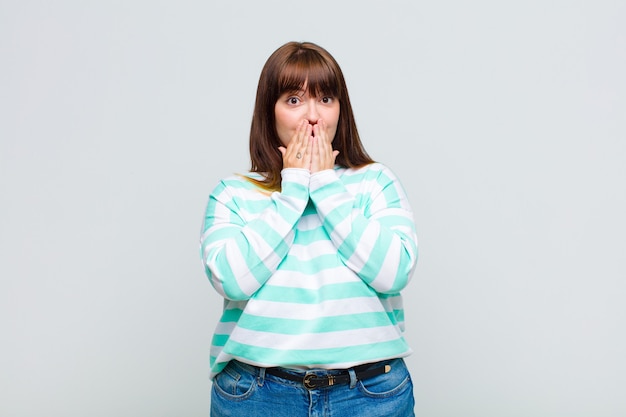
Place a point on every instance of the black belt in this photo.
(312, 381)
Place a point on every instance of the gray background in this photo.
(504, 120)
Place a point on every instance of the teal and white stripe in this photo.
(311, 275)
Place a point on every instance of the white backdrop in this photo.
(506, 122)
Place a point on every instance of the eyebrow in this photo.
(302, 92)
(297, 92)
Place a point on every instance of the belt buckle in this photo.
(308, 382)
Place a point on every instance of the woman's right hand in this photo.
(297, 154)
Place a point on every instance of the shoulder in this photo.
(375, 171)
(238, 184)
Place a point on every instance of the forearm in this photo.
(378, 242)
(241, 250)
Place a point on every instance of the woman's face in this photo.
(292, 108)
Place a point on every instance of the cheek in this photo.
(285, 120)
(283, 134)
(284, 127)
(333, 122)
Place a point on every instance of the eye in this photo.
(293, 100)
(327, 100)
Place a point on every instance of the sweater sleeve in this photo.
(373, 230)
(241, 249)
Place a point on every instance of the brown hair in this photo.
(287, 70)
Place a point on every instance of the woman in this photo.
(310, 251)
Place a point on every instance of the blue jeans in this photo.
(244, 390)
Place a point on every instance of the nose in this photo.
(312, 114)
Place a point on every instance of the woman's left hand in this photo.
(323, 156)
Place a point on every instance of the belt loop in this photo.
(352, 378)
(261, 377)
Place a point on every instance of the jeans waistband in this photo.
(322, 378)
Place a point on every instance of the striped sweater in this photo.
(311, 275)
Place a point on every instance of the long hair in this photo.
(288, 69)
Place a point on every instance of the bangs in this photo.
(307, 67)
